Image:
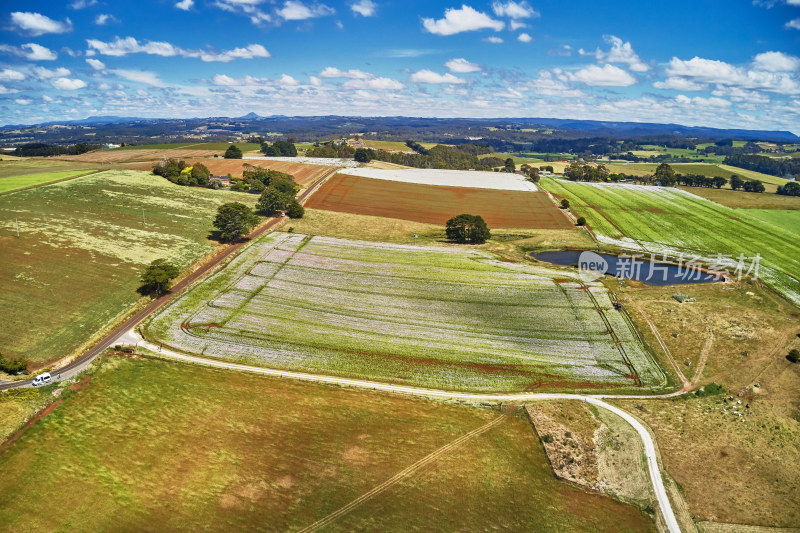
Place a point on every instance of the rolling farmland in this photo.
(434, 316)
(82, 248)
(669, 220)
(15, 183)
(436, 204)
(303, 174)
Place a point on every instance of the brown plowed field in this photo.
(147, 154)
(303, 174)
(435, 205)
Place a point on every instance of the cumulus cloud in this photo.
(185, 5)
(680, 84)
(375, 84)
(333, 72)
(103, 19)
(514, 10)
(129, 45)
(428, 76)
(295, 10)
(524, 37)
(11, 75)
(462, 66)
(620, 52)
(605, 76)
(461, 20)
(23, 101)
(6, 90)
(365, 8)
(493, 40)
(96, 64)
(225, 81)
(776, 62)
(287, 80)
(546, 85)
(248, 8)
(794, 24)
(68, 84)
(38, 24)
(80, 4)
(140, 76)
(31, 51)
(45, 73)
(702, 70)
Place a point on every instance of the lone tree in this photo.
(736, 182)
(157, 277)
(794, 355)
(665, 175)
(581, 221)
(467, 229)
(233, 220)
(509, 166)
(233, 152)
(564, 204)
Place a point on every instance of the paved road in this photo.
(113, 338)
(132, 337)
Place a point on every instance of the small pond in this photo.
(640, 268)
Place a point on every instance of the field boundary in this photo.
(62, 180)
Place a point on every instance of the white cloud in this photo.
(620, 52)
(701, 102)
(103, 19)
(333, 72)
(315, 81)
(493, 40)
(605, 76)
(80, 4)
(680, 84)
(461, 20)
(296, 10)
(514, 10)
(365, 8)
(11, 75)
(31, 51)
(375, 84)
(96, 64)
(246, 7)
(6, 90)
(462, 66)
(776, 62)
(23, 101)
(546, 85)
(140, 76)
(741, 95)
(712, 71)
(794, 23)
(428, 76)
(225, 81)
(38, 24)
(68, 84)
(288, 81)
(514, 25)
(185, 5)
(524, 37)
(44, 73)
(129, 45)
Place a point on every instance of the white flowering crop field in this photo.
(443, 317)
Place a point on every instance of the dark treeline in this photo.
(462, 157)
(42, 149)
(331, 149)
(785, 168)
(278, 148)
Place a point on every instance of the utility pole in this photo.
(144, 222)
(17, 219)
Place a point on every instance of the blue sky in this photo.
(722, 63)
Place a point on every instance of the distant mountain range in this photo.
(134, 129)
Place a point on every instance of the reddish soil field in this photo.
(303, 174)
(435, 205)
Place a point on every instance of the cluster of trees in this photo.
(233, 152)
(43, 150)
(414, 145)
(578, 172)
(279, 149)
(531, 173)
(785, 168)
(696, 180)
(790, 189)
(332, 149)
(257, 179)
(178, 171)
(157, 277)
(462, 157)
(278, 195)
(725, 147)
(467, 229)
(12, 366)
